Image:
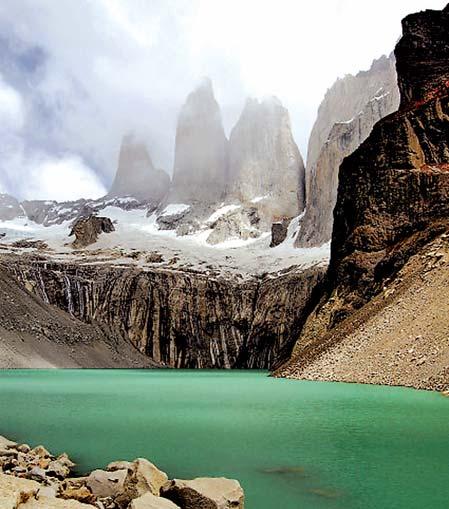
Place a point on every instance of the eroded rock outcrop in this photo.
(35, 334)
(345, 119)
(393, 194)
(87, 230)
(185, 319)
(201, 150)
(265, 166)
(136, 175)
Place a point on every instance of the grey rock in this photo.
(346, 116)
(136, 175)
(106, 484)
(264, 161)
(201, 150)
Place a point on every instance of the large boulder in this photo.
(205, 492)
(14, 491)
(54, 503)
(87, 230)
(265, 166)
(150, 501)
(141, 477)
(136, 175)
(201, 150)
(107, 484)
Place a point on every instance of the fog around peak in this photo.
(75, 76)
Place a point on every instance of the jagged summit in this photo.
(345, 118)
(136, 175)
(264, 162)
(423, 67)
(389, 250)
(201, 158)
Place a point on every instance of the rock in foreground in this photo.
(210, 493)
(35, 479)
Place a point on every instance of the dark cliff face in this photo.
(393, 193)
(184, 320)
(422, 56)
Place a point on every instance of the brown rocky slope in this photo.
(393, 201)
(34, 334)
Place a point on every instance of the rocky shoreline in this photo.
(33, 478)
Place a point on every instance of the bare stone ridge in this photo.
(136, 176)
(265, 165)
(200, 168)
(423, 56)
(391, 224)
(345, 118)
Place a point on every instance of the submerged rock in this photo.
(213, 493)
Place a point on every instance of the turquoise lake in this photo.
(291, 444)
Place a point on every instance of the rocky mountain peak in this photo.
(345, 118)
(201, 156)
(265, 166)
(422, 56)
(136, 175)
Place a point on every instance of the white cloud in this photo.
(64, 179)
(116, 65)
(12, 115)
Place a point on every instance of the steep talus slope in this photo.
(34, 334)
(400, 337)
(183, 319)
(393, 194)
(345, 119)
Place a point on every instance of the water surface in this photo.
(292, 445)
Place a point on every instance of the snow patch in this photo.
(257, 199)
(174, 208)
(221, 212)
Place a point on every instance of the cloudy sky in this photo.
(75, 75)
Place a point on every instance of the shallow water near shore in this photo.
(291, 444)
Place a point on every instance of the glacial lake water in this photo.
(292, 445)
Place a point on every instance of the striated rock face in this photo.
(136, 176)
(201, 158)
(34, 334)
(393, 194)
(87, 230)
(186, 320)
(265, 165)
(345, 119)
